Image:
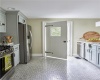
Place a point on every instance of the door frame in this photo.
(69, 40)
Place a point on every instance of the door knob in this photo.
(64, 41)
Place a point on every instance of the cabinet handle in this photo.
(87, 50)
(24, 21)
(98, 58)
(3, 24)
(16, 48)
(91, 55)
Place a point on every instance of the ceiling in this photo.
(55, 8)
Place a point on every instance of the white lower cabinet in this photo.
(16, 51)
(87, 52)
(98, 56)
(93, 54)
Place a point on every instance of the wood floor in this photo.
(40, 68)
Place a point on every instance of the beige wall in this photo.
(80, 26)
(0, 3)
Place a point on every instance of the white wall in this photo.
(80, 27)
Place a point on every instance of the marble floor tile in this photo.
(40, 68)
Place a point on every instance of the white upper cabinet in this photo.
(21, 18)
(2, 20)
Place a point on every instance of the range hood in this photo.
(97, 24)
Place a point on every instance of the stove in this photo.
(6, 61)
(4, 49)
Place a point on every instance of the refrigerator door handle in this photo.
(30, 39)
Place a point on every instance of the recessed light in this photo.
(10, 8)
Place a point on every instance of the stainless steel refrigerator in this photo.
(25, 43)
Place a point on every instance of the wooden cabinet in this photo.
(2, 20)
(16, 51)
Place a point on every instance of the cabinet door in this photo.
(21, 19)
(16, 51)
(16, 57)
(87, 52)
(98, 59)
(98, 56)
(93, 54)
(2, 22)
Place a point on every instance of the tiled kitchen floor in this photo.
(52, 69)
(41, 69)
(79, 69)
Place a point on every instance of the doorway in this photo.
(57, 39)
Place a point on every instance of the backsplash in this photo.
(1, 37)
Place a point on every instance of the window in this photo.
(55, 31)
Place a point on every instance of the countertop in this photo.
(83, 41)
(11, 44)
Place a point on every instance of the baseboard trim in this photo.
(56, 58)
(75, 55)
(37, 54)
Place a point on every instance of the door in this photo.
(56, 39)
(87, 52)
(2, 22)
(29, 42)
(16, 51)
(93, 54)
(98, 56)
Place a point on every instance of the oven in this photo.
(6, 60)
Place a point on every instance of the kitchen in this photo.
(14, 18)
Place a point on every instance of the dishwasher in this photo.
(81, 49)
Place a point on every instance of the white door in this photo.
(56, 39)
